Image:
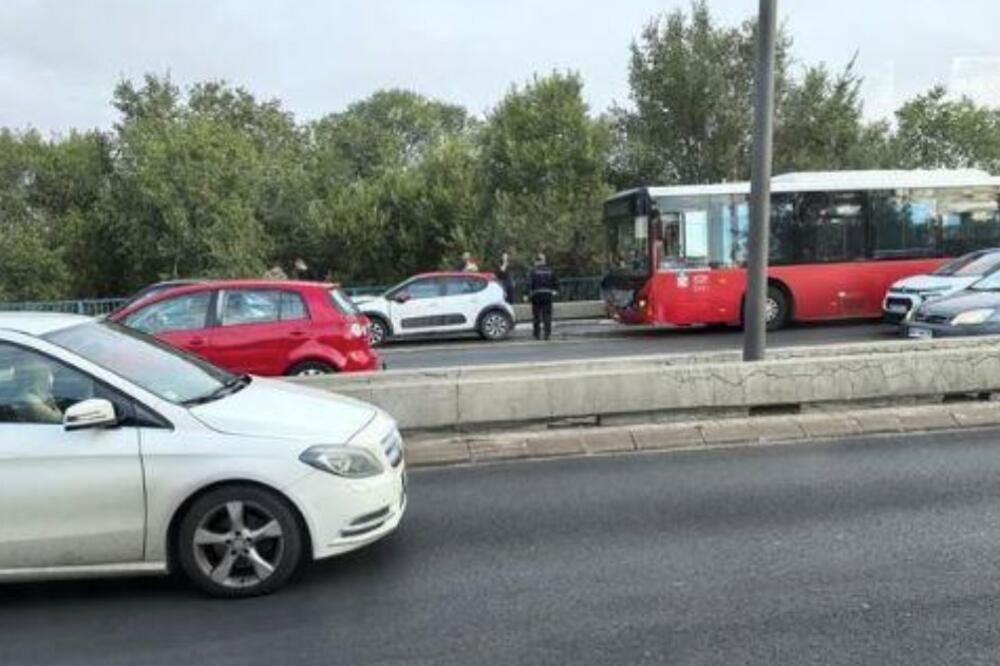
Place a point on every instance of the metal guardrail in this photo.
(571, 289)
(91, 307)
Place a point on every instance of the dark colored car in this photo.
(151, 290)
(260, 327)
(973, 311)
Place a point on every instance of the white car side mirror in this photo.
(94, 413)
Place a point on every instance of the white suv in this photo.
(434, 303)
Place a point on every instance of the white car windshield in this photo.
(970, 265)
(989, 283)
(153, 365)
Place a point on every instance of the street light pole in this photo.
(754, 324)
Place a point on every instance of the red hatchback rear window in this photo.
(342, 303)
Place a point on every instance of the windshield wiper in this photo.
(234, 385)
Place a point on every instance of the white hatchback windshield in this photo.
(153, 365)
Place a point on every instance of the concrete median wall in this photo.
(568, 310)
(651, 389)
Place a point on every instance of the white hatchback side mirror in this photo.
(94, 413)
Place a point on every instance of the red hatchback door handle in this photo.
(297, 334)
(197, 342)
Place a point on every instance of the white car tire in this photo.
(495, 325)
(239, 541)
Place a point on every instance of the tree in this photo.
(182, 199)
(544, 163)
(390, 129)
(31, 264)
(820, 124)
(691, 86)
(394, 179)
(934, 131)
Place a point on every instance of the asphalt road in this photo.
(883, 551)
(572, 341)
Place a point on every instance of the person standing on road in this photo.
(543, 285)
(505, 278)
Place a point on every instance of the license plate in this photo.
(921, 333)
(897, 309)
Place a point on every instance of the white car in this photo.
(120, 454)
(952, 277)
(434, 303)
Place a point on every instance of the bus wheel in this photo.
(775, 309)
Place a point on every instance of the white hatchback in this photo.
(120, 454)
(439, 303)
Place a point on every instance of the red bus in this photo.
(677, 255)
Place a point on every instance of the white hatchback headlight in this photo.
(346, 461)
(970, 317)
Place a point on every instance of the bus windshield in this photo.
(628, 244)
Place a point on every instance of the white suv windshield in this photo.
(155, 366)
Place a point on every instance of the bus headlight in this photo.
(972, 317)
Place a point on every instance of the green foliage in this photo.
(211, 181)
(820, 123)
(692, 92)
(544, 161)
(937, 132)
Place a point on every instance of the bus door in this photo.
(666, 236)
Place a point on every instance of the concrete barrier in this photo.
(567, 310)
(662, 389)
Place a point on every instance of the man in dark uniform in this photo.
(543, 285)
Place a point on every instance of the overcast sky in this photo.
(60, 59)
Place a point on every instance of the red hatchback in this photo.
(261, 327)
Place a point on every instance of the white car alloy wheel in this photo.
(238, 544)
(496, 326)
(377, 332)
(239, 541)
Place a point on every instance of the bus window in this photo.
(696, 237)
(670, 232)
(831, 227)
(968, 219)
(904, 225)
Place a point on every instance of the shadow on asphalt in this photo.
(371, 562)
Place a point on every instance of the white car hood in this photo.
(926, 282)
(282, 410)
(372, 304)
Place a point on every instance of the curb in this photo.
(745, 431)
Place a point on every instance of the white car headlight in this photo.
(346, 461)
(970, 317)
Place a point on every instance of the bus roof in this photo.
(833, 181)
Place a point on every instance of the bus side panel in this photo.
(696, 296)
(844, 290)
(819, 291)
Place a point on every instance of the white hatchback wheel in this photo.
(496, 325)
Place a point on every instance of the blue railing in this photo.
(571, 289)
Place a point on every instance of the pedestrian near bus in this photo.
(543, 285)
(506, 278)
